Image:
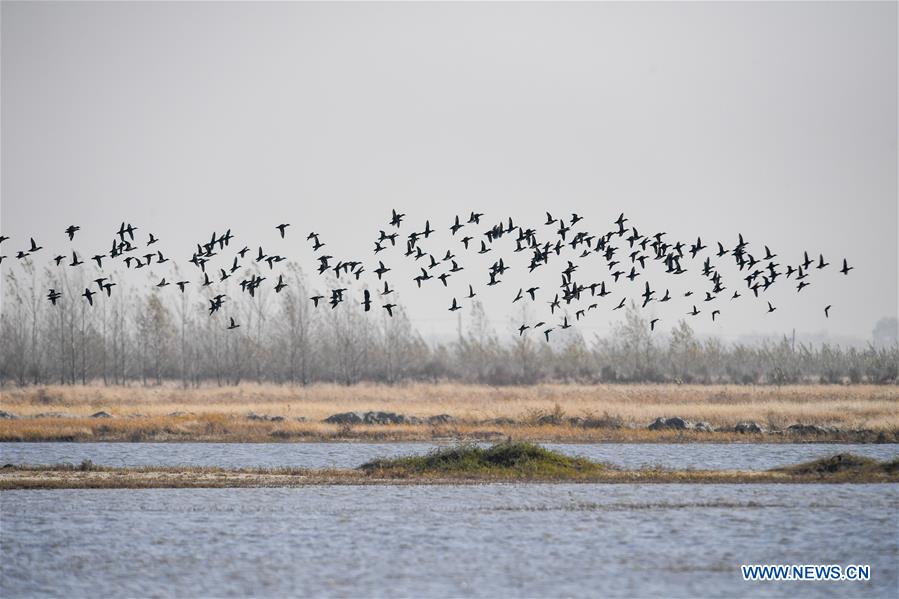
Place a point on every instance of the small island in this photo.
(507, 462)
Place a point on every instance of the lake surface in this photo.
(755, 456)
(505, 540)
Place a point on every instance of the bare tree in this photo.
(163, 334)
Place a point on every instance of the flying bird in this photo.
(846, 268)
(280, 284)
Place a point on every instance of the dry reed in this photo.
(221, 413)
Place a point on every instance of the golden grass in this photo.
(219, 413)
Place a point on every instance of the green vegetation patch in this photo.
(843, 465)
(504, 460)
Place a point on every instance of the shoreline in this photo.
(23, 478)
(450, 466)
(238, 429)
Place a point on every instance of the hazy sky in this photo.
(775, 120)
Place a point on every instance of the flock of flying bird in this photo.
(624, 251)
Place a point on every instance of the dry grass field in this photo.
(221, 413)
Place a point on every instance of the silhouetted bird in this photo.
(233, 324)
(53, 296)
(336, 297)
(381, 270)
(846, 268)
(281, 228)
(806, 262)
(70, 231)
(129, 230)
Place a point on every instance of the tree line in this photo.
(140, 336)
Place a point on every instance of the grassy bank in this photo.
(505, 462)
(603, 413)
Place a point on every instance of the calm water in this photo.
(490, 541)
(350, 455)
